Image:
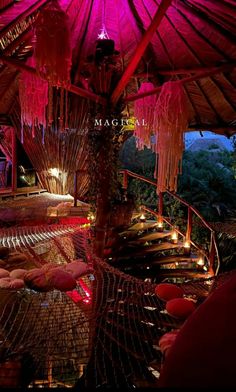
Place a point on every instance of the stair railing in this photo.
(212, 254)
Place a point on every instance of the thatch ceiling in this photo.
(193, 36)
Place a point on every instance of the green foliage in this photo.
(207, 181)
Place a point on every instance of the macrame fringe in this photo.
(170, 122)
(53, 49)
(33, 95)
(144, 114)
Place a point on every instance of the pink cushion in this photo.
(167, 340)
(4, 273)
(5, 283)
(35, 279)
(167, 291)
(17, 284)
(60, 280)
(180, 307)
(77, 268)
(18, 273)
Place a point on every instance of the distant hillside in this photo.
(214, 145)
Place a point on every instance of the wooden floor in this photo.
(34, 205)
(26, 191)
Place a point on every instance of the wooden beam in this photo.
(22, 16)
(179, 71)
(184, 71)
(71, 88)
(193, 78)
(140, 50)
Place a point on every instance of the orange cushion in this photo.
(167, 291)
(180, 307)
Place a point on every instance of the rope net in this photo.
(104, 333)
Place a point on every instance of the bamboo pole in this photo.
(14, 162)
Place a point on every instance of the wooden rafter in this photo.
(140, 50)
(71, 88)
(200, 34)
(22, 16)
(210, 22)
(193, 78)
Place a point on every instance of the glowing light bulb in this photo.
(200, 261)
(187, 244)
(174, 237)
(160, 224)
(142, 218)
(54, 172)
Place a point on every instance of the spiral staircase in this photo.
(158, 248)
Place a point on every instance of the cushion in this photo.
(35, 279)
(167, 340)
(4, 273)
(17, 284)
(60, 280)
(180, 307)
(5, 283)
(18, 273)
(167, 291)
(77, 268)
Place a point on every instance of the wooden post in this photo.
(189, 225)
(125, 180)
(50, 378)
(160, 207)
(14, 161)
(75, 188)
(212, 255)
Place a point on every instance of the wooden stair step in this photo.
(190, 273)
(158, 247)
(149, 224)
(174, 259)
(154, 236)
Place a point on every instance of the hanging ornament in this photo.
(33, 95)
(144, 114)
(170, 122)
(53, 49)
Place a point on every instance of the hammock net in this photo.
(104, 333)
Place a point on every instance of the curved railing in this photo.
(212, 253)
